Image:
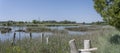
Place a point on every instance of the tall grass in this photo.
(58, 43)
(105, 45)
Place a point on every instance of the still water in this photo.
(21, 35)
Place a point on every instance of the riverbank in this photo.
(84, 28)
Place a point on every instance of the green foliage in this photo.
(115, 39)
(21, 22)
(109, 43)
(60, 22)
(35, 21)
(67, 22)
(109, 10)
(99, 23)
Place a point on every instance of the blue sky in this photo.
(28, 10)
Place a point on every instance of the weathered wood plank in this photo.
(73, 46)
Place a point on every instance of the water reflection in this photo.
(21, 35)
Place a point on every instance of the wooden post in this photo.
(87, 48)
(14, 37)
(30, 35)
(42, 36)
(86, 45)
(73, 48)
(47, 40)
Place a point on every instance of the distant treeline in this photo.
(100, 23)
(33, 22)
(96, 23)
(50, 22)
(53, 21)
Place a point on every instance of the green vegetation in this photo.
(44, 29)
(109, 10)
(85, 28)
(37, 29)
(5, 30)
(109, 43)
(58, 43)
(60, 22)
(35, 21)
(39, 23)
(99, 23)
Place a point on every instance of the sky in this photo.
(59, 10)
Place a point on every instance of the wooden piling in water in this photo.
(47, 40)
(14, 37)
(30, 35)
(42, 37)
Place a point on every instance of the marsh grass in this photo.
(37, 29)
(85, 28)
(58, 43)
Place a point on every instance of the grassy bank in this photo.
(58, 43)
(44, 29)
(84, 28)
(37, 29)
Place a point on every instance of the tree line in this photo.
(53, 21)
(9, 23)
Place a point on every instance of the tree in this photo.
(21, 22)
(35, 21)
(83, 23)
(109, 10)
(67, 22)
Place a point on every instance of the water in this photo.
(62, 27)
(21, 35)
